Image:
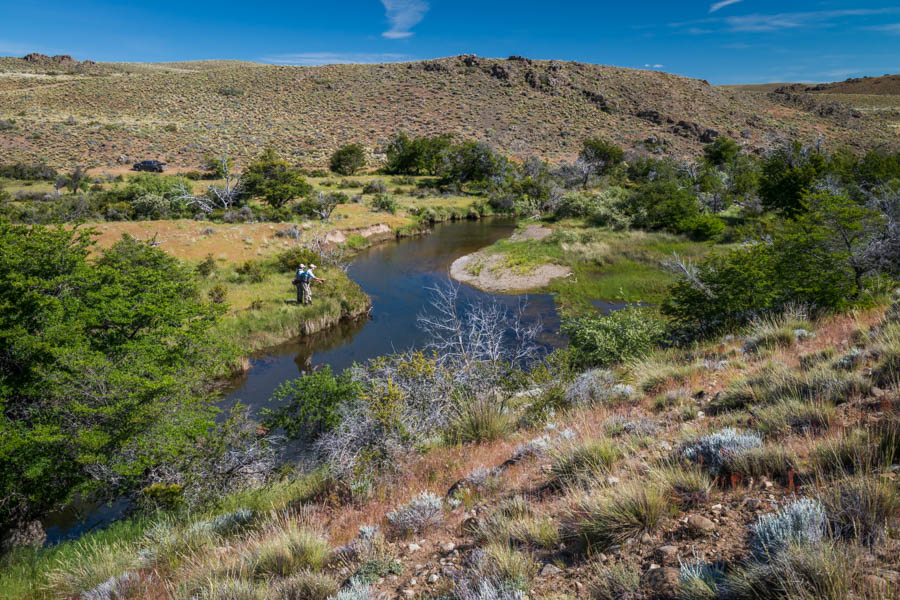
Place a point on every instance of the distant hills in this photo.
(72, 112)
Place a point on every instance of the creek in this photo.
(397, 277)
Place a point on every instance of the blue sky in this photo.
(724, 41)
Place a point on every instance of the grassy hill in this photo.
(95, 114)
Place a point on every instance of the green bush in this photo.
(703, 227)
(384, 202)
(664, 205)
(251, 271)
(308, 406)
(607, 339)
(814, 260)
(576, 205)
(290, 260)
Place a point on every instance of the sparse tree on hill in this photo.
(348, 159)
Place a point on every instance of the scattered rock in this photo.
(448, 547)
(414, 547)
(433, 578)
(500, 72)
(409, 593)
(751, 503)
(661, 583)
(700, 524)
(550, 569)
(653, 116)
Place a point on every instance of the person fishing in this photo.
(305, 277)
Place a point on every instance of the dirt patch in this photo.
(532, 232)
(373, 233)
(489, 272)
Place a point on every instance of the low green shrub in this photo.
(608, 339)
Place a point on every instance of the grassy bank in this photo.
(263, 309)
(622, 266)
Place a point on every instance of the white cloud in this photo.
(720, 5)
(760, 23)
(403, 15)
(310, 59)
(656, 66)
(889, 28)
(824, 18)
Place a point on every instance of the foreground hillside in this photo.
(760, 466)
(95, 114)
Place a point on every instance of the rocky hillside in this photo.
(72, 112)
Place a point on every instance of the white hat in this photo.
(302, 266)
(312, 266)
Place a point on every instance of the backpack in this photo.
(303, 276)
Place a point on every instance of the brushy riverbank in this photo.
(665, 476)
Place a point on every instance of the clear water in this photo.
(396, 276)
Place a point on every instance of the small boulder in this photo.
(448, 547)
(661, 583)
(700, 524)
(550, 569)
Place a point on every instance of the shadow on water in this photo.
(396, 276)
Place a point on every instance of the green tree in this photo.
(818, 260)
(787, 175)
(102, 365)
(424, 155)
(401, 155)
(664, 205)
(274, 180)
(217, 167)
(721, 152)
(599, 156)
(474, 162)
(348, 159)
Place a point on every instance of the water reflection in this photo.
(397, 277)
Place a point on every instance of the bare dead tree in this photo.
(332, 255)
(480, 333)
(225, 196)
(688, 270)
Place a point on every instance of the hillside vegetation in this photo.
(95, 114)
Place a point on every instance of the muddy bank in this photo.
(491, 272)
